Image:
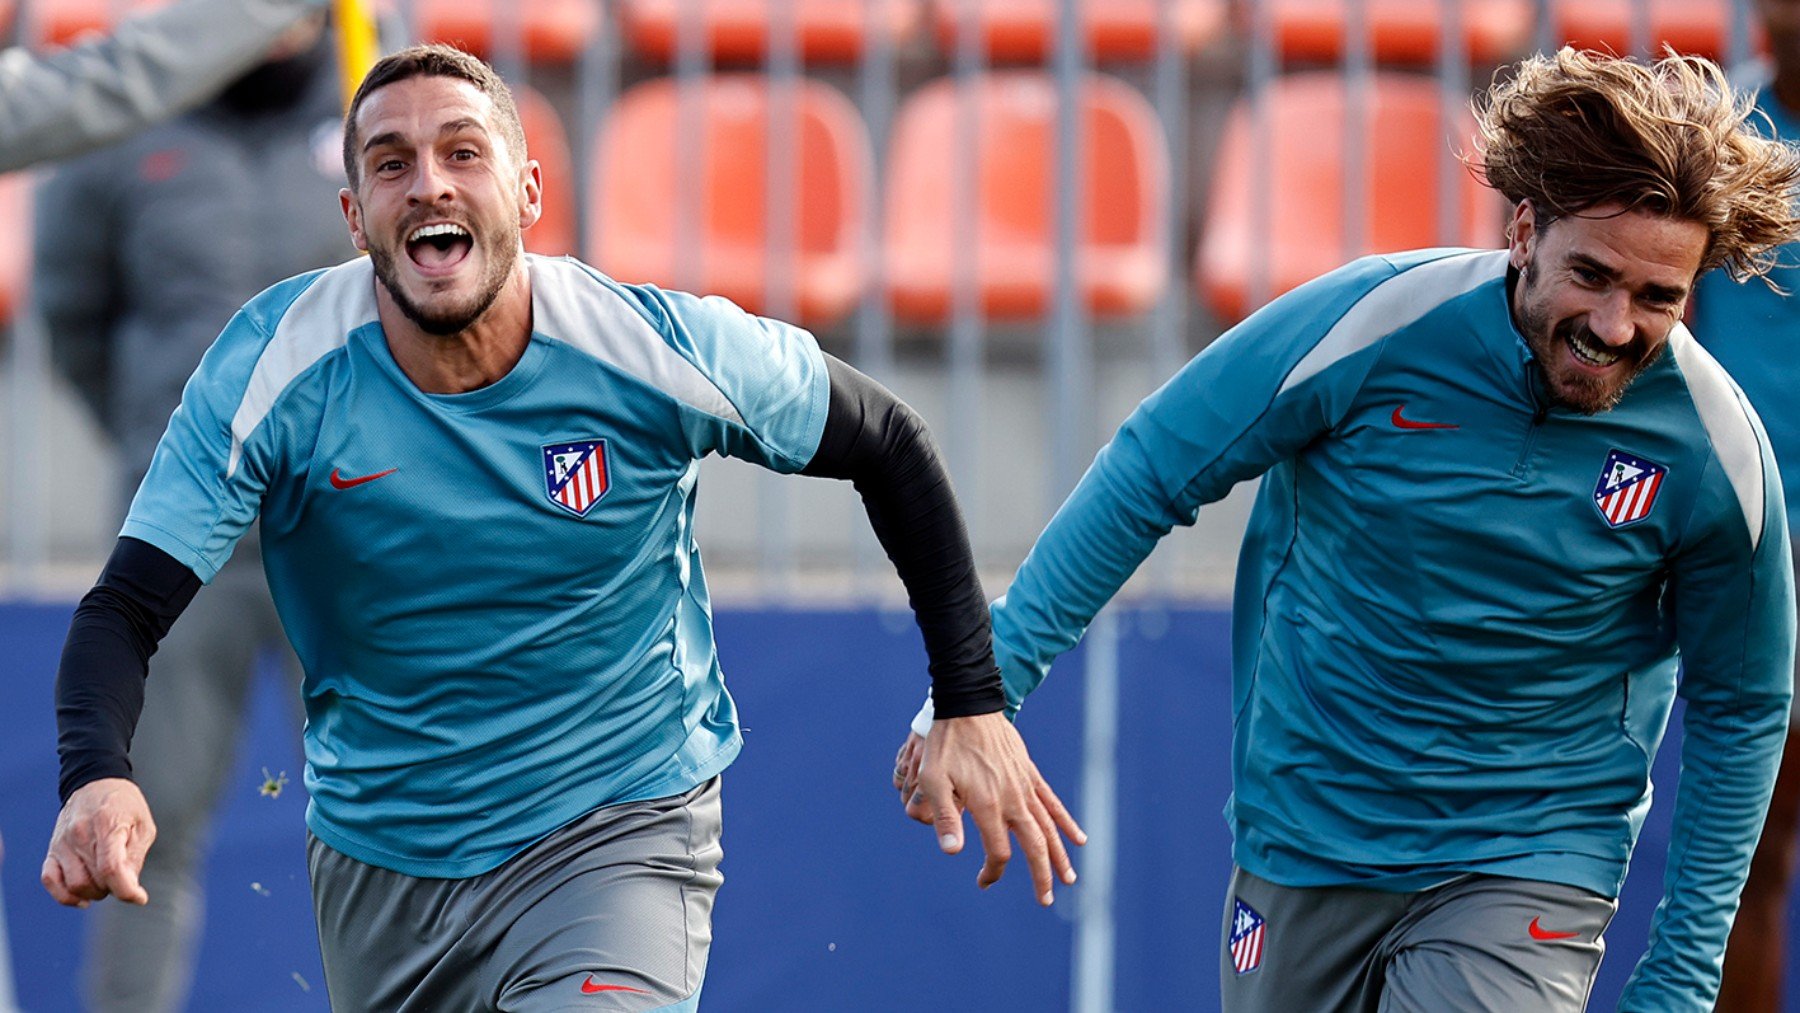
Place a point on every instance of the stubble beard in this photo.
(1570, 388)
(455, 317)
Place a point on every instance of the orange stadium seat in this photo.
(545, 139)
(554, 30)
(60, 22)
(15, 242)
(1305, 174)
(1690, 26)
(739, 29)
(1401, 31)
(634, 218)
(7, 9)
(1126, 180)
(1115, 29)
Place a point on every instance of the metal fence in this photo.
(1021, 370)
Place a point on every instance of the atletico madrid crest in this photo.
(575, 474)
(1246, 937)
(1627, 488)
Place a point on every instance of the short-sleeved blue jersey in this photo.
(1754, 332)
(496, 595)
(1459, 609)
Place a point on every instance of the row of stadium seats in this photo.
(1011, 30)
(646, 224)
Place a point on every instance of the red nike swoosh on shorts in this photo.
(1406, 423)
(339, 482)
(589, 987)
(1539, 932)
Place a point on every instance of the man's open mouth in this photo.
(1589, 352)
(439, 247)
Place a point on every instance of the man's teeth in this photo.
(440, 229)
(1591, 353)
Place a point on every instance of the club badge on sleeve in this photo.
(575, 474)
(1627, 488)
(1246, 937)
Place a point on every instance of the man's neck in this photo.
(470, 359)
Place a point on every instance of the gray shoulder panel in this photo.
(1726, 416)
(1395, 303)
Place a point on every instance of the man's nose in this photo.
(429, 183)
(1611, 321)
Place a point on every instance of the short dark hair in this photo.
(434, 60)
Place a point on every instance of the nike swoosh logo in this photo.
(589, 987)
(1539, 932)
(339, 482)
(1402, 422)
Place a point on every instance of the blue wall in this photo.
(833, 900)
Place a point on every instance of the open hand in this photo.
(980, 764)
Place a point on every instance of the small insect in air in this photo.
(273, 783)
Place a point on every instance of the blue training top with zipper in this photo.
(1459, 608)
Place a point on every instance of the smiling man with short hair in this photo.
(475, 474)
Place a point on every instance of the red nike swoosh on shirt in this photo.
(1406, 423)
(339, 482)
(589, 987)
(1539, 932)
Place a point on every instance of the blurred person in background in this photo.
(474, 471)
(61, 102)
(1505, 496)
(144, 251)
(1754, 331)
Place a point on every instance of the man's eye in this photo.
(1588, 276)
(390, 165)
(464, 154)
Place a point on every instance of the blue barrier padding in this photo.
(833, 900)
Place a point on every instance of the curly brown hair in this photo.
(1574, 130)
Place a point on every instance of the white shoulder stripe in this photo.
(320, 320)
(1395, 303)
(571, 306)
(1725, 415)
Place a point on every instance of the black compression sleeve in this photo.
(100, 682)
(881, 445)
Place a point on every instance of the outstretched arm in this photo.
(105, 828)
(974, 759)
(153, 66)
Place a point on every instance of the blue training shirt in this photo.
(1459, 610)
(1754, 332)
(496, 595)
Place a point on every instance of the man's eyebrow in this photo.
(1596, 266)
(451, 127)
(390, 137)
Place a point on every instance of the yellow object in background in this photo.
(356, 42)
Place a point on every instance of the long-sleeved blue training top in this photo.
(1460, 608)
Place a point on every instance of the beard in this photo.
(449, 317)
(1567, 386)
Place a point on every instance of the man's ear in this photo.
(1521, 234)
(531, 193)
(353, 217)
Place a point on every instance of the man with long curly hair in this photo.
(1505, 496)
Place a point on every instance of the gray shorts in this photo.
(1474, 943)
(611, 912)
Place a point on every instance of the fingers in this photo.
(946, 818)
(1059, 855)
(1059, 813)
(118, 870)
(56, 882)
(994, 841)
